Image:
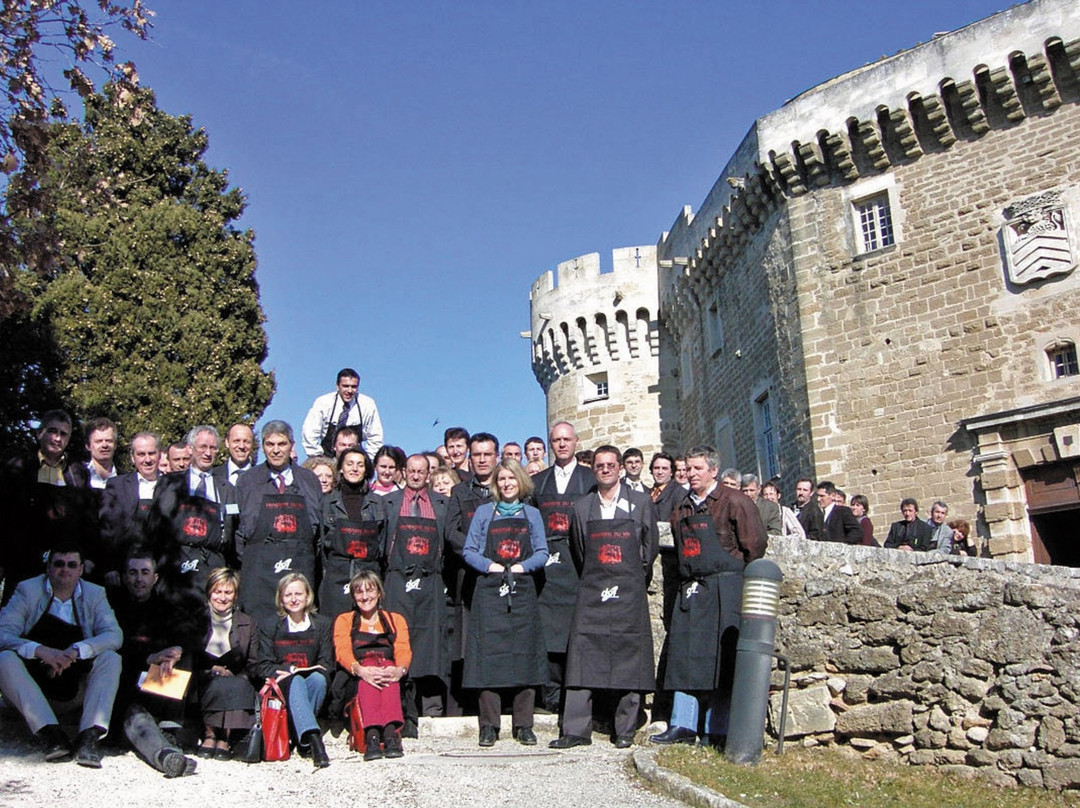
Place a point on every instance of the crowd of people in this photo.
(370, 587)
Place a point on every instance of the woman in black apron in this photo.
(226, 667)
(353, 538)
(504, 646)
(297, 650)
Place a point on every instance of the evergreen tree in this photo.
(147, 302)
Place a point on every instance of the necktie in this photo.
(414, 510)
(281, 483)
(344, 414)
(200, 489)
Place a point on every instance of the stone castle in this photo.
(879, 289)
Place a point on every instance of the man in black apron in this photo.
(55, 631)
(415, 538)
(465, 498)
(717, 531)
(614, 542)
(557, 489)
(193, 517)
(280, 520)
(125, 505)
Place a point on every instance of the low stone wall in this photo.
(972, 665)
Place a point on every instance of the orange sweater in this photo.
(343, 641)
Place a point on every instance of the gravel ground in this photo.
(444, 768)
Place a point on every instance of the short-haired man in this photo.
(57, 631)
(556, 490)
(346, 438)
(731, 478)
(840, 523)
(614, 542)
(126, 504)
(165, 629)
(910, 533)
(193, 516)
(633, 464)
(679, 472)
(415, 535)
(468, 495)
(101, 446)
(810, 516)
(718, 531)
(769, 511)
(535, 451)
(942, 539)
(512, 451)
(240, 443)
(179, 456)
(345, 406)
(792, 526)
(49, 463)
(456, 442)
(280, 519)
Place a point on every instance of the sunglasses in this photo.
(71, 565)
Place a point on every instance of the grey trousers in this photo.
(143, 733)
(577, 715)
(22, 692)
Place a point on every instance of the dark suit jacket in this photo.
(642, 512)
(669, 498)
(171, 487)
(812, 520)
(842, 526)
(119, 505)
(255, 483)
(25, 468)
(466, 496)
(917, 535)
(582, 481)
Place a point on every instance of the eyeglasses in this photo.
(71, 565)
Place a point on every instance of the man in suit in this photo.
(810, 516)
(558, 487)
(240, 443)
(126, 502)
(769, 511)
(56, 631)
(911, 532)
(280, 520)
(841, 525)
(614, 543)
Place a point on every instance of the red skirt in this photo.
(380, 707)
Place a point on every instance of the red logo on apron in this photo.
(195, 526)
(558, 522)
(691, 547)
(508, 549)
(417, 546)
(297, 658)
(609, 554)
(285, 523)
(357, 549)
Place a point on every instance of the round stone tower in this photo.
(596, 348)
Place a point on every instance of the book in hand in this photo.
(173, 686)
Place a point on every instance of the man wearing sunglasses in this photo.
(54, 632)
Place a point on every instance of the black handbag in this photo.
(250, 748)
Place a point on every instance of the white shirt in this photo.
(363, 414)
(234, 471)
(96, 480)
(195, 477)
(146, 487)
(563, 474)
(610, 510)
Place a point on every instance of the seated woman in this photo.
(504, 647)
(373, 646)
(229, 660)
(298, 652)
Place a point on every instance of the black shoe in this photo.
(569, 741)
(525, 736)
(674, 734)
(174, 764)
(205, 752)
(392, 744)
(57, 747)
(623, 741)
(488, 735)
(318, 750)
(372, 745)
(410, 730)
(87, 750)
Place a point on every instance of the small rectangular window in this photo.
(875, 222)
(595, 387)
(1063, 361)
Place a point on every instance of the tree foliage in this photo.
(144, 295)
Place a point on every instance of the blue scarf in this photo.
(509, 508)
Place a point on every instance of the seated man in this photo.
(55, 631)
(159, 629)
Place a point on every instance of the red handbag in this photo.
(356, 722)
(275, 722)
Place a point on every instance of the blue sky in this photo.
(412, 167)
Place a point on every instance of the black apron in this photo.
(198, 530)
(351, 546)
(282, 542)
(611, 635)
(709, 604)
(459, 579)
(414, 589)
(558, 582)
(504, 646)
(52, 632)
(374, 648)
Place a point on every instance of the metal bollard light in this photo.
(753, 661)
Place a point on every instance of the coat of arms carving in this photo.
(1036, 238)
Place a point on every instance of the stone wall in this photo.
(972, 665)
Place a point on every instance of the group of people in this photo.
(376, 586)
